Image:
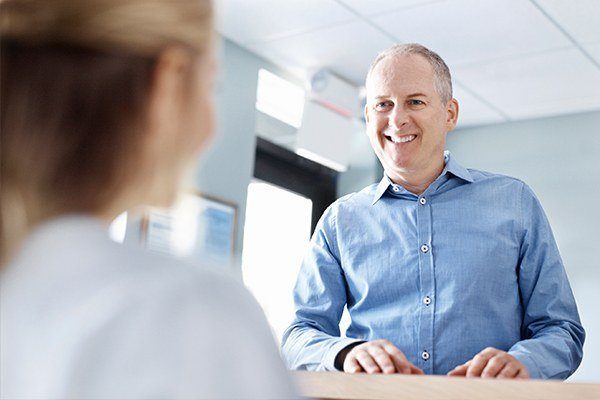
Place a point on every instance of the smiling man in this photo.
(444, 270)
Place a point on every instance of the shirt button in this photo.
(395, 188)
(422, 200)
(427, 300)
(424, 248)
(425, 355)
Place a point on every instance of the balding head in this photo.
(442, 77)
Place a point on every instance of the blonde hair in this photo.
(75, 80)
(142, 27)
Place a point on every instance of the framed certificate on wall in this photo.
(198, 227)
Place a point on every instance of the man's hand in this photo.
(492, 363)
(378, 356)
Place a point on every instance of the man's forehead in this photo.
(405, 72)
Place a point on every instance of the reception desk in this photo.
(338, 385)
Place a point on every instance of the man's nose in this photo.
(398, 118)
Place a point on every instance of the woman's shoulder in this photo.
(205, 318)
(172, 320)
(72, 259)
(157, 273)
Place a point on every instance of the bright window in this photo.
(279, 98)
(118, 228)
(276, 235)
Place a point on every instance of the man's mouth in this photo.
(400, 139)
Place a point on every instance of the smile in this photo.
(401, 139)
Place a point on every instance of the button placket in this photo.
(426, 281)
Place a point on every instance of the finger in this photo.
(416, 370)
(509, 371)
(494, 366)
(398, 358)
(523, 373)
(478, 363)
(352, 365)
(382, 358)
(367, 363)
(460, 370)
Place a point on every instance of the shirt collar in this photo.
(381, 188)
(452, 166)
(455, 168)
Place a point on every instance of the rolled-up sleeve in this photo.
(313, 340)
(552, 345)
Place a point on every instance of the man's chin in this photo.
(394, 165)
(399, 165)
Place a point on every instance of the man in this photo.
(444, 270)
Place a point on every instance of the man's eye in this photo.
(382, 105)
(415, 102)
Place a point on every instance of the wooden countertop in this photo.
(339, 385)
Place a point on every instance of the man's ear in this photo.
(367, 113)
(452, 114)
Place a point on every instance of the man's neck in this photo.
(418, 181)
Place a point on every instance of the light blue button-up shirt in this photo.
(470, 263)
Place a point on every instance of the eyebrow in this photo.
(385, 96)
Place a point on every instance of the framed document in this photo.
(199, 227)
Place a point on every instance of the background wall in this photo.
(226, 168)
(364, 167)
(559, 158)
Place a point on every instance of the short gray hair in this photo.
(442, 78)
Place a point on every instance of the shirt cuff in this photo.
(527, 360)
(329, 359)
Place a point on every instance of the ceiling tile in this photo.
(506, 51)
(472, 111)
(556, 82)
(594, 50)
(346, 49)
(374, 7)
(581, 19)
(246, 21)
(467, 31)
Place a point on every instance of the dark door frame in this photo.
(284, 168)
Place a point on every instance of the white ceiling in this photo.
(510, 59)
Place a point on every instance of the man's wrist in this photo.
(341, 355)
(529, 362)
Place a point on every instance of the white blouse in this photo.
(84, 317)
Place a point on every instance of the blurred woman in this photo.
(104, 106)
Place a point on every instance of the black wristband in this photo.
(341, 355)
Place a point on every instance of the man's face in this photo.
(407, 122)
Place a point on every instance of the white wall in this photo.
(559, 158)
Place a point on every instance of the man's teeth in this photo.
(403, 139)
